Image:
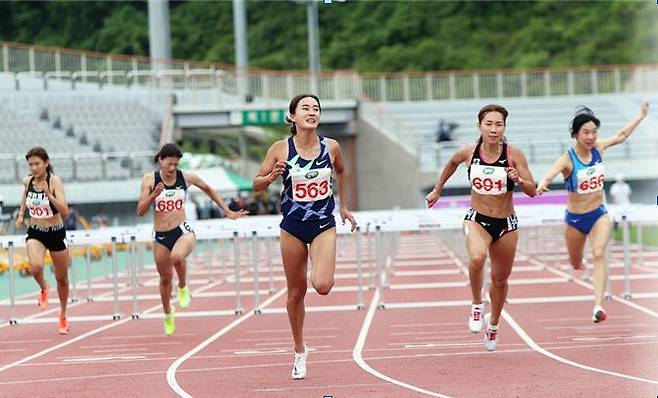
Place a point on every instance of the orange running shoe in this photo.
(63, 326)
(43, 299)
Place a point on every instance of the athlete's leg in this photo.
(182, 248)
(323, 258)
(165, 269)
(36, 252)
(61, 265)
(575, 245)
(502, 254)
(294, 254)
(599, 236)
(477, 243)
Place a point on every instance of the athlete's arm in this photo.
(271, 168)
(21, 208)
(560, 166)
(626, 131)
(519, 172)
(193, 179)
(146, 197)
(449, 169)
(57, 196)
(343, 178)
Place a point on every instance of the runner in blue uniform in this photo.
(584, 174)
(305, 161)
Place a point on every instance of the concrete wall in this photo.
(387, 176)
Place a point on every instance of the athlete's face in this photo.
(169, 165)
(307, 114)
(587, 134)
(492, 127)
(37, 166)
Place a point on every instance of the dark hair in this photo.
(492, 108)
(293, 107)
(583, 115)
(41, 154)
(168, 150)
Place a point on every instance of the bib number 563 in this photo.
(311, 190)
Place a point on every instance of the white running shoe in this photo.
(299, 367)
(491, 334)
(475, 317)
(599, 314)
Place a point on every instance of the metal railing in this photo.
(21, 62)
(82, 166)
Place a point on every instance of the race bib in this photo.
(170, 200)
(591, 179)
(488, 180)
(38, 205)
(311, 185)
(185, 227)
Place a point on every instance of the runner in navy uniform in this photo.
(306, 161)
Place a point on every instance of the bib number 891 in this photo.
(311, 190)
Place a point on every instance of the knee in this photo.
(598, 254)
(177, 260)
(296, 295)
(62, 280)
(166, 277)
(36, 267)
(477, 261)
(499, 281)
(323, 287)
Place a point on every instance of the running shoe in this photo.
(491, 334)
(184, 297)
(599, 314)
(169, 321)
(299, 367)
(475, 317)
(43, 299)
(63, 326)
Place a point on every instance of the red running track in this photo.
(419, 345)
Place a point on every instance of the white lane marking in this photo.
(532, 344)
(90, 333)
(360, 343)
(171, 371)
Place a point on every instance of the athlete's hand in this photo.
(19, 221)
(644, 108)
(158, 189)
(234, 215)
(512, 172)
(542, 187)
(432, 198)
(346, 215)
(278, 170)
